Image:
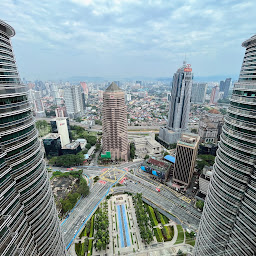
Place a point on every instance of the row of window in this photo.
(17, 134)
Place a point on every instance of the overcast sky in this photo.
(56, 39)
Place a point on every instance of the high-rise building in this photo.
(74, 101)
(228, 223)
(28, 216)
(214, 95)
(210, 127)
(179, 105)
(224, 87)
(38, 105)
(114, 123)
(186, 153)
(198, 93)
(62, 128)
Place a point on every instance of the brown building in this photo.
(114, 123)
(210, 127)
(186, 153)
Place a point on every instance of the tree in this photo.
(88, 146)
(132, 150)
(146, 157)
(200, 204)
(166, 153)
(98, 122)
(91, 139)
(194, 130)
(83, 188)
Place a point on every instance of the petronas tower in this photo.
(28, 220)
(228, 223)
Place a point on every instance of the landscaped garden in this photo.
(142, 219)
(95, 232)
(159, 222)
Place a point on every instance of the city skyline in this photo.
(89, 38)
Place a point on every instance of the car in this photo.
(157, 189)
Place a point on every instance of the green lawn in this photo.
(180, 238)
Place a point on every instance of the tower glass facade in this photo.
(228, 223)
(179, 106)
(28, 219)
(180, 99)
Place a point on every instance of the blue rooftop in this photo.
(170, 158)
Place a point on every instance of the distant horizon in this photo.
(128, 38)
(97, 79)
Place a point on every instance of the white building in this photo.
(63, 131)
(147, 145)
(198, 93)
(74, 101)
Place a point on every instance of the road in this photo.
(166, 199)
(72, 225)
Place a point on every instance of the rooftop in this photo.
(113, 88)
(51, 136)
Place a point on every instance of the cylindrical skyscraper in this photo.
(28, 219)
(228, 223)
(114, 125)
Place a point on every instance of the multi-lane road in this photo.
(166, 199)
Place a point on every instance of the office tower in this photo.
(100, 95)
(198, 93)
(227, 225)
(224, 87)
(179, 105)
(128, 97)
(214, 95)
(186, 153)
(85, 87)
(74, 101)
(210, 127)
(38, 105)
(114, 123)
(28, 217)
(62, 128)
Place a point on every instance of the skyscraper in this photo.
(28, 217)
(224, 87)
(179, 105)
(74, 100)
(228, 223)
(198, 93)
(114, 123)
(214, 95)
(186, 152)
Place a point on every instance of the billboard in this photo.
(188, 68)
